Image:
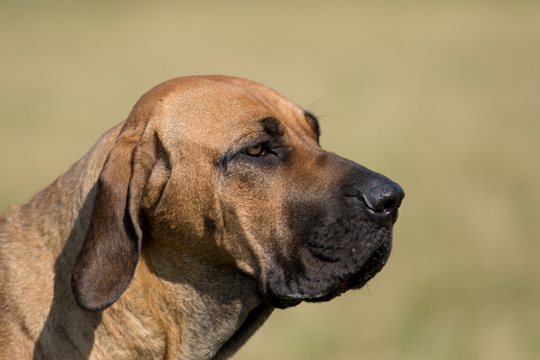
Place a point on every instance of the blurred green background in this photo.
(442, 97)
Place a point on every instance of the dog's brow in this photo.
(272, 127)
(313, 123)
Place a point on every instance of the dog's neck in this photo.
(207, 312)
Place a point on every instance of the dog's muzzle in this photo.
(346, 247)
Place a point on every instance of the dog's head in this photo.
(227, 172)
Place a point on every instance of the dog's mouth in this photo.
(369, 269)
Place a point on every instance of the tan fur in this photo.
(194, 284)
(170, 240)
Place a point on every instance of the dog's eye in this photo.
(256, 150)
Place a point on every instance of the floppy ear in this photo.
(112, 246)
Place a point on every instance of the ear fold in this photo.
(112, 246)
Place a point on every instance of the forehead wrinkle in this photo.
(242, 106)
(274, 104)
(280, 106)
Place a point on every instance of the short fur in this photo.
(170, 240)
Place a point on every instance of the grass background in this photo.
(442, 97)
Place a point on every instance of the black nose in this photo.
(384, 200)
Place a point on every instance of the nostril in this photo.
(385, 198)
(388, 205)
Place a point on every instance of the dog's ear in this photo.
(133, 177)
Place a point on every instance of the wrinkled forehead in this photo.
(225, 111)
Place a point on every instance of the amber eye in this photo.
(256, 150)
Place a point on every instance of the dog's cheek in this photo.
(251, 210)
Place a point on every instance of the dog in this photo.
(185, 226)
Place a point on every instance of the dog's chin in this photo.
(369, 269)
